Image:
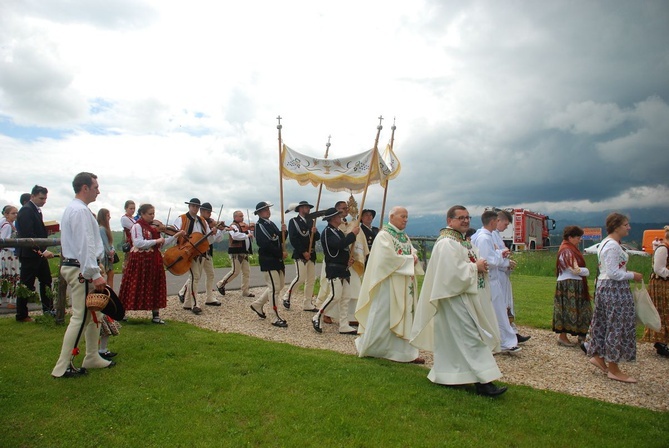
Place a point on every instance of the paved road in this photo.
(175, 283)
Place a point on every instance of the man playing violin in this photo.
(207, 261)
(239, 249)
(192, 223)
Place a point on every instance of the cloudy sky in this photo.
(556, 106)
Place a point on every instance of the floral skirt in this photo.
(613, 327)
(143, 285)
(658, 289)
(572, 312)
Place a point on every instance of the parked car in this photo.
(626, 247)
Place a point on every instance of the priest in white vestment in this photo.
(388, 294)
(450, 319)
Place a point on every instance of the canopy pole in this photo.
(283, 219)
(320, 191)
(385, 188)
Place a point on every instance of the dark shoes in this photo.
(418, 361)
(311, 310)
(662, 349)
(158, 320)
(213, 303)
(26, 319)
(280, 323)
(522, 338)
(221, 290)
(108, 355)
(197, 310)
(182, 298)
(250, 295)
(260, 313)
(316, 322)
(111, 364)
(349, 332)
(73, 372)
(286, 304)
(489, 389)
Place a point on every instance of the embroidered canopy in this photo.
(340, 174)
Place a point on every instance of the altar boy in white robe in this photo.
(388, 294)
(449, 318)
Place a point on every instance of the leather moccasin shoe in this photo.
(286, 304)
(182, 298)
(280, 323)
(521, 338)
(316, 322)
(213, 303)
(197, 310)
(489, 389)
(73, 373)
(260, 313)
(221, 290)
(108, 355)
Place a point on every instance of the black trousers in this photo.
(31, 269)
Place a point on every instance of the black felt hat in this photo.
(194, 201)
(330, 213)
(206, 206)
(373, 212)
(261, 205)
(114, 308)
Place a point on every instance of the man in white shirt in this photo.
(81, 247)
(497, 262)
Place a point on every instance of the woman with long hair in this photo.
(613, 326)
(107, 261)
(572, 310)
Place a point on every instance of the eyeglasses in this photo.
(463, 218)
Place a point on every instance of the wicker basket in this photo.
(96, 301)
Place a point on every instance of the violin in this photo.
(162, 228)
(220, 225)
(244, 227)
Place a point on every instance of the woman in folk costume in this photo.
(613, 326)
(9, 262)
(127, 221)
(572, 309)
(658, 289)
(143, 285)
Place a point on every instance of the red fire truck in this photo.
(528, 230)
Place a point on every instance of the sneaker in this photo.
(512, 350)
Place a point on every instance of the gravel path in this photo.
(542, 364)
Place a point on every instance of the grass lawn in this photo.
(179, 385)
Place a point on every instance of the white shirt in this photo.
(80, 238)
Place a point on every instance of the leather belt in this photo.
(70, 262)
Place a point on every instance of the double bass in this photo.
(178, 259)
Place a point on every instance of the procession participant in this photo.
(388, 294)
(127, 221)
(370, 231)
(207, 262)
(658, 289)
(33, 260)
(300, 231)
(503, 220)
(497, 261)
(239, 248)
(192, 223)
(337, 262)
(9, 262)
(448, 318)
(143, 286)
(81, 247)
(357, 268)
(270, 256)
